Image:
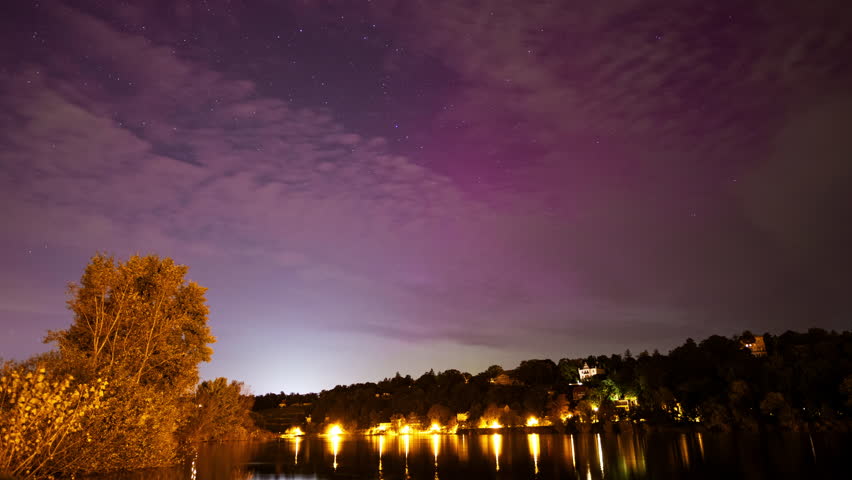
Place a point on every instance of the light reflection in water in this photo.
(381, 450)
(684, 450)
(535, 448)
(335, 448)
(436, 444)
(461, 443)
(622, 455)
(297, 441)
(600, 453)
(497, 442)
(573, 454)
(406, 440)
(810, 439)
(701, 445)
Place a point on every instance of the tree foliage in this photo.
(220, 410)
(138, 334)
(42, 420)
(139, 320)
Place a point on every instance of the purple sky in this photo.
(411, 185)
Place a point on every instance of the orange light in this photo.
(532, 422)
(335, 430)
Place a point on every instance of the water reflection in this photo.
(297, 442)
(600, 452)
(512, 455)
(334, 441)
(497, 442)
(535, 448)
(381, 450)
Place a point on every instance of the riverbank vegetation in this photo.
(802, 381)
(121, 389)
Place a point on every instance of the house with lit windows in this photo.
(589, 372)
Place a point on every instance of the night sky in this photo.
(373, 187)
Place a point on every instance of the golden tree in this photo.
(143, 327)
(139, 320)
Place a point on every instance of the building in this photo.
(589, 372)
(756, 346)
(504, 379)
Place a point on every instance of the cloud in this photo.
(623, 129)
(146, 151)
(584, 173)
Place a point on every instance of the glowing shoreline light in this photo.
(532, 422)
(293, 432)
(334, 430)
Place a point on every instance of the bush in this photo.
(41, 421)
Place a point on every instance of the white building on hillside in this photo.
(587, 372)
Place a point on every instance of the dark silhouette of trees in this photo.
(805, 378)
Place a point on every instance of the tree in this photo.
(568, 370)
(537, 372)
(557, 408)
(138, 320)
(439, 414)
(220, 411)
(142, 327)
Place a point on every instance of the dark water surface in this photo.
(517, 455)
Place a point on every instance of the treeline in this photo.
(121, 389)
(803, 381)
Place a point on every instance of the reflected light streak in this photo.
(461, 441)
(296, 443)
(701, 445)
(813, 450)
(436, 444)
(535, 448)
(497, 442)
(381, 450)
(335, 448)
(684, 450)
(573, 454)
(406, 441)
(600, 452)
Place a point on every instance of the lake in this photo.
(517, 455)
